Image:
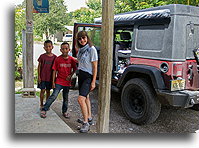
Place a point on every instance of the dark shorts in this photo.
(44, 85)
(84, 83)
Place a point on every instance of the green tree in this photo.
(19, 26)
(83, 15)
(94, 10)
(18, 52)
(142, 4)
(52, 22)
(43, 23)
(122, 6)
(19, 21)
(185, 2)
(87, 15)
(95, 5)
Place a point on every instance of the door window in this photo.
(192, 39)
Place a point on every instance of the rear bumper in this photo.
(184, 98)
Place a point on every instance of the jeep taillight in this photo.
(177, 69)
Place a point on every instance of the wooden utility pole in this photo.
(24, 57)
(28, 79)
(29, 44)
(106, 62)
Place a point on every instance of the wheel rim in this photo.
(136, 101)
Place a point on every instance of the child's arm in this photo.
(39, 70)
(71, 75)
(75, 59)
(74, 67)
(53, 82)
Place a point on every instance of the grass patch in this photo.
(18, 92)
(37, 93)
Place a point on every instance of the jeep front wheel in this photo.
(139, 102)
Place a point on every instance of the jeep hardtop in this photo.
(154, 59)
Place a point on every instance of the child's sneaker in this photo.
(85, 128)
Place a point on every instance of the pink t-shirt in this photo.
(46, 67)
(64, 68)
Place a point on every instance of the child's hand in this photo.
(68, 78)
(53, 85)
(39, 80)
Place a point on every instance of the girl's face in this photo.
(83, 40)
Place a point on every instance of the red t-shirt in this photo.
(46, 66)
(64, 68)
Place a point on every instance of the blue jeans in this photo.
(54, 95)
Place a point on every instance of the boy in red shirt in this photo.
(45, 71)
(64, 67)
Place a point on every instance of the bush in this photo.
(18, 53)
(17, 75)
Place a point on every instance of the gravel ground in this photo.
(171, 119)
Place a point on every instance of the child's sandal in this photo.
(66, 115)
(43, 114)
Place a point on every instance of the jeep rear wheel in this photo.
(196, 107)
(139, 102)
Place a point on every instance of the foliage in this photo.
(38, 38)
(87, 15)
(83, 15)
(94, 10)
(18, 52)
(48, 23)
(35, 75)
(95, 5)
(18, 48)
(19, 26)
(17, 75)
(122, 6)
(131, 5)
(58, 18)
(19, 20)
(52, 22)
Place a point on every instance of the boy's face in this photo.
(48, 47)
(65, 49)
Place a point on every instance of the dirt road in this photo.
(171, 119)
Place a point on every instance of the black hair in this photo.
(65, 43)
(48, 41)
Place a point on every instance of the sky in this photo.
(71, 4)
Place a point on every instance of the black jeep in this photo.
(154, 59)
